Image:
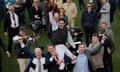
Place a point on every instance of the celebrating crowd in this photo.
(68, 50)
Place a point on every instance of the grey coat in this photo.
(105, 14)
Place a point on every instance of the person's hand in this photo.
(67, 44)
(75, 34)
(21, 41)
(8, 54)
(53, 53)
(73, 17)
(109, 51)
(43, 13)
(25, 37)
(36, 16)
(5, 33)
(102, 41)
(60, 61)
(103, 38)
(73, 57)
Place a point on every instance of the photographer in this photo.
(107, 56)
(108, 50)
(22, 59)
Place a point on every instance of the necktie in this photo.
(39, 68)
(13, 16)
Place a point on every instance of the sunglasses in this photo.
(89, 6)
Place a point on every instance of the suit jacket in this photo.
(89, 19)
(38, 62)
(51, 64)
(7, 23)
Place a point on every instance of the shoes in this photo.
(61, 66)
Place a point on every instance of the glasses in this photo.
(89, 6)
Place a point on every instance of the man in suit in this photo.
(7, 52)
(11, 26)
(89, 22)
(51, 59)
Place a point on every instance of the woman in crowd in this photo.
(36, 14)
(63, 15)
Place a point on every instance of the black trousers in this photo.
(88, 33)
(64, 1)
(81, 4)
(112, 16)
(100, 70)
(11, 33)
(108, 66)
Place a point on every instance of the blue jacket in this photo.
(30, 55)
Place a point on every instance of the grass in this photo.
(11, 65)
